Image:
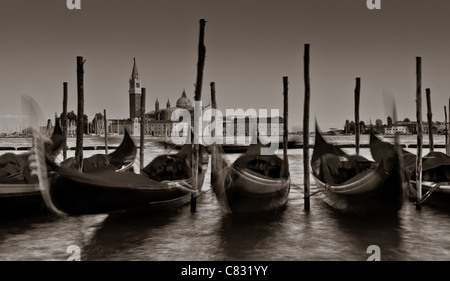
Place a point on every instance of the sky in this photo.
(250, 46)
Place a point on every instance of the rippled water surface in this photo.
(292, 234)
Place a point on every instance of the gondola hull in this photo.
(109, 191)
(435, 176)
(356, 185)
(439, 194)
(20, 199)
(19, 189)
(91, 194)
(377, 193)
(241, 190)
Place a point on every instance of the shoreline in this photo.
(97, 142)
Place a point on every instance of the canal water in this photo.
(291, 234)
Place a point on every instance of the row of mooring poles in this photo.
(195, 142)
(430, 130)
(80, 117)
(81, 125)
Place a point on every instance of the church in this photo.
(158, 122)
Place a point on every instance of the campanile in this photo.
(135, 93)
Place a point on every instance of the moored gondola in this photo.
(253, 183)
(435, 175)
(355, 184)
(122, 157)
(164, 183)
(19, 187)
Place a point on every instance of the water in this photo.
(292, 234)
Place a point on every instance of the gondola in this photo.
(254, 183)
(353, 184)
(122, 157)
(435, 180)
(19, 187)
(435, 176)
(166, 182)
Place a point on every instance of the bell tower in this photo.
(135, 93)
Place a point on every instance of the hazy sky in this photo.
(250, 46)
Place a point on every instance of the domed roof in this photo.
(184, 102)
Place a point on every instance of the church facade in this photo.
(159, 121)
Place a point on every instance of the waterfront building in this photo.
(158, 122)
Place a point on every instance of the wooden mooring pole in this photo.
(447, 148)
(306, 181)
(445, 130)
(197, 110)
(357, 94)
(80, 123)
(430, 120)
(213, 105)
(64, 122)
(105, 125)
(142, 131)
(419, 131)
(285, 170)
(446, 133)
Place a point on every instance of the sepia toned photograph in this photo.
(224, 131)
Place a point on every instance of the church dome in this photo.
(184, 102)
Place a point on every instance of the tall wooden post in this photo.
(80, 123)
(446, 133)
(430, 119)
(306, 128)
(64, 122)
(419, 130)
(213, 105)
(142, 133)
(213, 120)
(357, 90)
(285, 170)
(447, 149)
(198, 97)
(105, 125)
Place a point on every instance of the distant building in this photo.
(158, 122)
(409, 128)
(394, 129)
